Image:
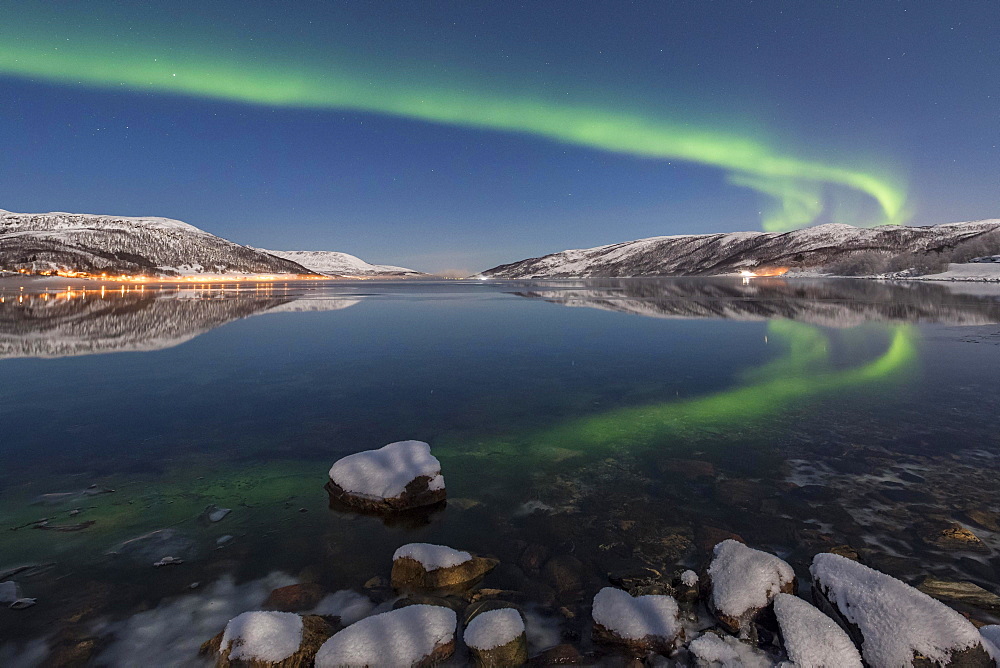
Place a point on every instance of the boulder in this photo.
(268, 639)
(810, 638)
(893, 623)
(418, 636)
(497, 638)
(641, 624)
(295, 598)
(426, 567)
(743, 582)
(397, 477)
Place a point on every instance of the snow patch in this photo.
(728, 652)
(432, 557)
(262, 636)
(744, 578)
(689, 578)
(398, 638)
(635, 618)
(812, 639)
(494, 628)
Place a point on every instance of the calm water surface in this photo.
(585, 429)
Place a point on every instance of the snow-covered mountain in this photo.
(119, 245)
(332, 263)
(708, 254)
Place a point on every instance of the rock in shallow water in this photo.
(394, 478)
(892, 622)
(641, 623)
(268, 640)
(812, 639)
(744, 581)
(426, 567)
(418, 635)
(497, 638)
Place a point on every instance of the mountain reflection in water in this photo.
(86, 322)
(83, 322)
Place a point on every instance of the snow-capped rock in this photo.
(744, 582)
(641, 623)
(707, 254)
(333, 263)
(811, 639)
(98, 244)
(894, 623)
(417, 635)
(262, 636)
(395, 477)
(422, 566)
(497, 638)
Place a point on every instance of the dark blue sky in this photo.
(906, 93)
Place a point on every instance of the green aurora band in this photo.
(797, 186)
(803, 374)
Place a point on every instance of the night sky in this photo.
(459, 135)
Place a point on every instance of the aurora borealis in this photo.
(190, 77)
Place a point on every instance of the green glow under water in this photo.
(801, 375)
(798, 187)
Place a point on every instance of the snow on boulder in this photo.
(422, 566)
(268, 639)
(641, 623)
(744, 581)
(398, 476)
(712, 651)
(497, 638)
(811, 639)
(417, 635)
(894, 623)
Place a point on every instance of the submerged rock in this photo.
(396, 477)
(892, 622)
(812, 639)
(153, 545)
(22, 603)
(960, 592)
(418, 635)
(425, 567)
(168, 561)
(955, 537)
(744, 581)
(641, 623)
(214, 513)
(497, 638)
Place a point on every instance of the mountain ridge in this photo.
(94, 244)
(733, 252)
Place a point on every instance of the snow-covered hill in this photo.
(332, 263)
(118, 245)
(708, 254)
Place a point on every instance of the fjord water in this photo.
(603, 426)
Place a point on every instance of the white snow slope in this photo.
(332, 263)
